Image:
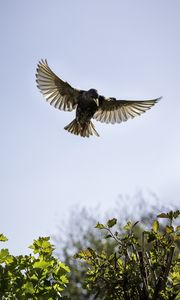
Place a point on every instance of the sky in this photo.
(125, 49)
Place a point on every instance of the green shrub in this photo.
(135, 264)
(38, 276)
(137, 269)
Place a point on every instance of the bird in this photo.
(87, 103)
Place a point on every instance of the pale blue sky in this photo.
(126, 49)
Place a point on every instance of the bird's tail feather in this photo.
(84, 130)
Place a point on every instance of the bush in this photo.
(38, 276)
(137, 269)
(129, 263)
(78, 232)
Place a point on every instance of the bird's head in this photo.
(94, 94)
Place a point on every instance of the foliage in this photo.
(78, 233)
(136, 269)
(128, 262)
(38, 276)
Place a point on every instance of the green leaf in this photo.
(88, 253)
(155, 226)
(34, 277)
(64, 279)
(112, 256)
(175, 276)
(120, 263)
(176, 214)
(170, 215)
(3, 254)
(178, 228)
(111, 222)
(41, 264)
(177, 237)
(169, 229)
(100, 226)
(133, 257)
(3, 238)
(163, 215)
(28, 288)
(91, 251)
(128, 226)
(64, 267)
(42, 246)
(5, 257)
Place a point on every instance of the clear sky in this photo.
(126, 49)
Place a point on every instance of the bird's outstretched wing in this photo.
(56, 91)
(115, 111)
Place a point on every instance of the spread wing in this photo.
(56, 91)
(115, 111)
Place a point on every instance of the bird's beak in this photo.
(96, 101)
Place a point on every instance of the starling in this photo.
(88, 104)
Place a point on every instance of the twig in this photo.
(153, 273)
(144, 276)
(164, 274)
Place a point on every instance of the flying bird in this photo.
(88, 104)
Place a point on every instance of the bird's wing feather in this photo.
(115, 111)
(57, 92)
